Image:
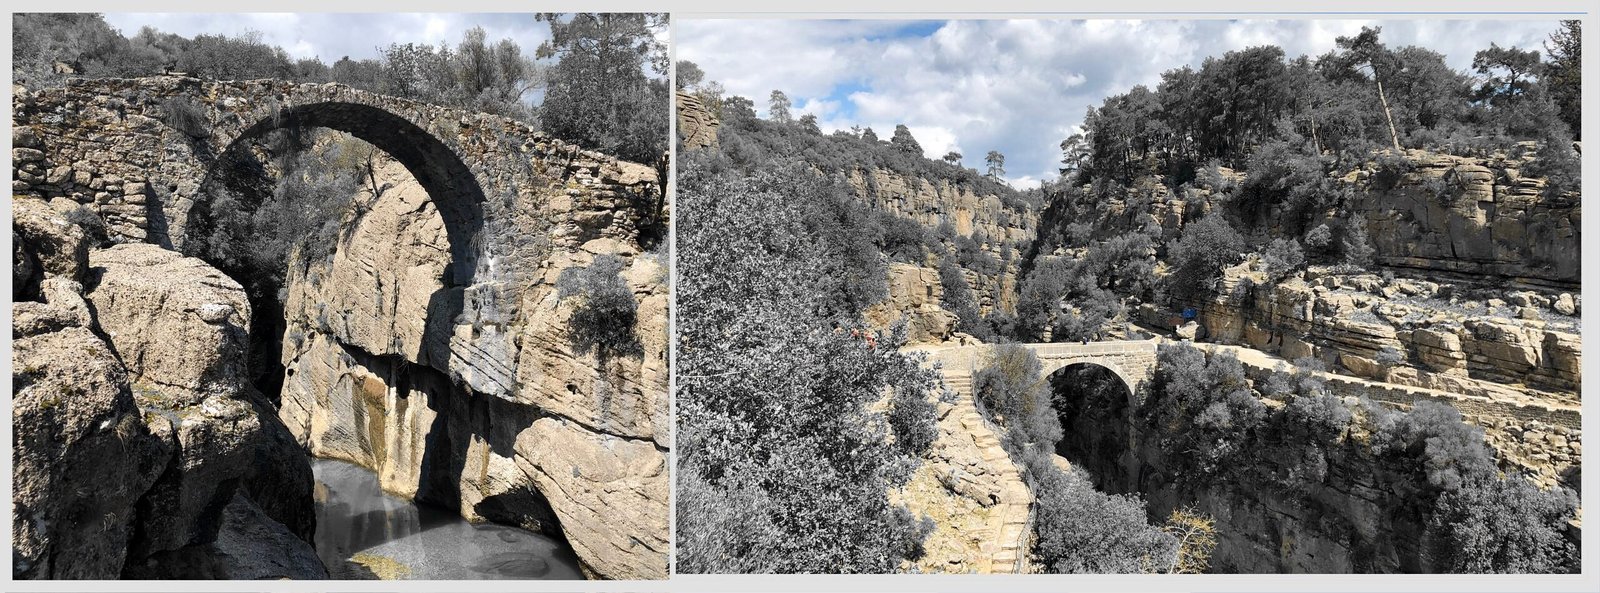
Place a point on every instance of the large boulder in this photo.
(609, 493)
(249, 546)
(179, 325)
(82, 457)
(216, 441)
(46, 238)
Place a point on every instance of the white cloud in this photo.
(1018, 86)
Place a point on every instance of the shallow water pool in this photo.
(366, 533)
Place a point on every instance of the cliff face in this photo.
(983, 218)
(1515, 369)
(1434, 215)
(493, 412)
(1361, 518)
(1472, 216)
(932, 202)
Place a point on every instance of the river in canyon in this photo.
(366, 533)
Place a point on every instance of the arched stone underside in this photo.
(452, 186)
(518, 208)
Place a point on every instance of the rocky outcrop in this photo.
(82, 457)
(914, 297)
(475, 397)
(46, 243)
(1470, 216)
(115, 465)
(1443, 338)
(612, 494)
(933, 202)
(697, 126)
(249, 546)
(179, 325)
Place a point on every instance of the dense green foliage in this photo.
(1199, 256)
(1340, 104)
(1565, 73)
(598, 95)
(252, 232)
(1476, 519)
(782, 464)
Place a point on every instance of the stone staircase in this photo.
(1004, 548)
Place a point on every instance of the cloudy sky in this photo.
(333, 36)
(1020, 86)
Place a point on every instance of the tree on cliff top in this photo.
(778, 107)
(902, 140)
(1366, 49)
(688, 74)
(599, 96)
(808, 122)
(996, 163)
(1564, 74)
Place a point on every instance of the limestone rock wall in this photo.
(930, 203)
(1462, 346)
(1472, 216)
(998, 227)
(914, 296)
(533, 433)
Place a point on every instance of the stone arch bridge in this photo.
(1132, 361)
(517, 206)
(1010, 519)
(139, 151)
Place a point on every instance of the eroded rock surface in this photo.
(114, 465)
(450, 393)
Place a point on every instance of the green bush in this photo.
(603, 317)
(1492, 525)
(1283, 257)
(913, 421)
(1081, 530)
(1199, 256)
(788, 470)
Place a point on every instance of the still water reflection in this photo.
(365, 533)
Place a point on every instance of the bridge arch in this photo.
(451, 184)
(1096, 405)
